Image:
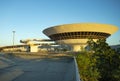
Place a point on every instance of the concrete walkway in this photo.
(44, 69)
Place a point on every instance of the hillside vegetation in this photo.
(100, 63)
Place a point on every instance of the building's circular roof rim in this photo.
(107, 28)
(92, 23)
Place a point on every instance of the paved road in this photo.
(47, 69)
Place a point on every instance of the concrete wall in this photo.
(33, 48)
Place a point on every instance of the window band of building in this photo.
(79, 35)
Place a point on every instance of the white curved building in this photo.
(77, 35)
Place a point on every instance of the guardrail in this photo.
(76, 70)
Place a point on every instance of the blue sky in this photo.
(30, 17)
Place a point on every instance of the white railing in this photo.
(76, 70)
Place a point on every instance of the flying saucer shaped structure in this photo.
(77, 35)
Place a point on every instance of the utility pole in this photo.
(13, 39)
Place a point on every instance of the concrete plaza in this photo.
(41, 69)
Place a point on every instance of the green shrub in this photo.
(87, 67)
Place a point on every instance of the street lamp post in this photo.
(13, 39)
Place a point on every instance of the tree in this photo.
(107, 62)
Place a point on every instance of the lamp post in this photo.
(13, 39)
